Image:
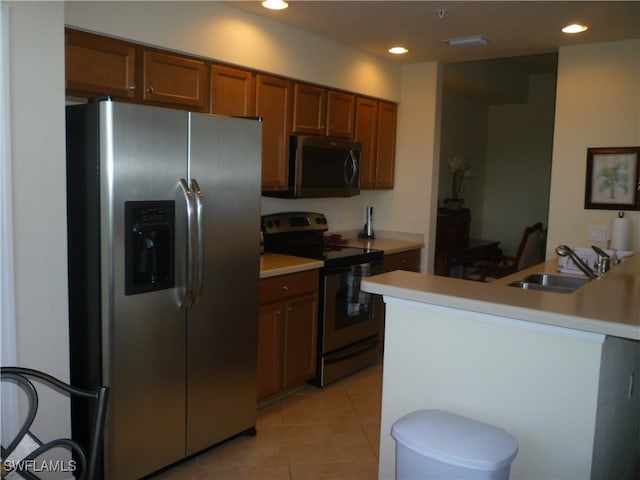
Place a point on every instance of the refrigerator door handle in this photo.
(186, 301)
(198, 264)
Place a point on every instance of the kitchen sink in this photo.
(550, 283)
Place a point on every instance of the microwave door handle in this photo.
(350, 161)
(199, 242)
(185, 301)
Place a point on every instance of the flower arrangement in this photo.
(460, 171)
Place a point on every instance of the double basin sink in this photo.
(548, 282)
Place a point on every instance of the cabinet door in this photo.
(386, 150)
(270, 346)
(300, 342)
(273, 97)
(366, 132)
(96, 65)
(341, 108)
(232, 92)
(309, 109)
(174, 80)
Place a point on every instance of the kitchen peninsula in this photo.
(555, 370)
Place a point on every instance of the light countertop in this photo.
(388, 242)
(608, 305)
(272, 264)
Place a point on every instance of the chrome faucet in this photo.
(564, 250)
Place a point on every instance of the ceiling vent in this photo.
(467, 41)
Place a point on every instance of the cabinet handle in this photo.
(132, 87)
(149, 89)
(290, 309)
(285, 288)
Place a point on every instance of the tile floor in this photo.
(330, 433)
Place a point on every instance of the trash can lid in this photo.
(455, 440)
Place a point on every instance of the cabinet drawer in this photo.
(409, 260)
(284, 286)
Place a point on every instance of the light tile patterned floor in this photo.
(330, 433)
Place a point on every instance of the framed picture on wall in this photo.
(613, 178)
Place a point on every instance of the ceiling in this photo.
(512, 28)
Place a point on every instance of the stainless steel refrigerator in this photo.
(163, 245)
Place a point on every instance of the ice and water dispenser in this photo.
(149, 246)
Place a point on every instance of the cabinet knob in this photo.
(149, 89)
(285, 288)
(289, 309)
(132, 87)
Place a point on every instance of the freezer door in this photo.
(222, 332)
(143, 154)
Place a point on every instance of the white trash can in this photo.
(434, 444)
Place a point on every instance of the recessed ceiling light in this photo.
(398, 50)
(467, 41)
(275, 4)
(575, 28)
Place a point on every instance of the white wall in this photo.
(597, 105)
(39, 194)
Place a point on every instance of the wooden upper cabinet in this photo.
(366, 132)
(96, 65)
(309, 109)
(341, 109)
(174, 80)
(386, 148)
(233, 92)
(376, 130)
(318, 111)
(273, 104)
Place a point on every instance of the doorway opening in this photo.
(497, 130)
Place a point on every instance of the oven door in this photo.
(349, 314)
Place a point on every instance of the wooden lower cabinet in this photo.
(287, 332)
(409, 260)
(270, 348)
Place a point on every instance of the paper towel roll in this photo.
(621, 233)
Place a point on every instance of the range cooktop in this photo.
(302, 234)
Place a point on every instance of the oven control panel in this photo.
(289, 222)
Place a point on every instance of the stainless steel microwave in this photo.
(321, 167)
